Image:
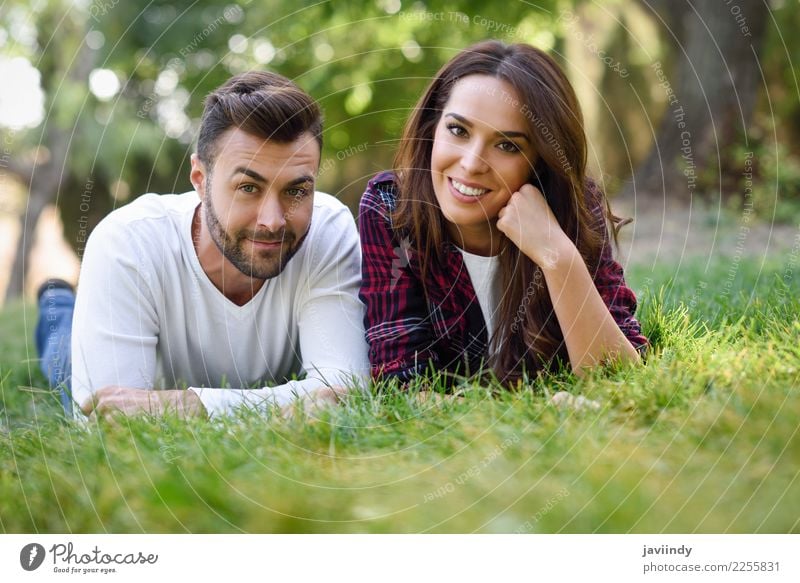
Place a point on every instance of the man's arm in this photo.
(110, 401)
(115, 326)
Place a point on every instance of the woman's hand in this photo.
(530, 224)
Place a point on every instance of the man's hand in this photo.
(112, 401)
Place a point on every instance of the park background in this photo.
(692, 112)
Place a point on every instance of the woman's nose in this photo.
(473, 159)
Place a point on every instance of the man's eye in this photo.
(297, 192)
(456, 130)
(508, 147)
(248, 188)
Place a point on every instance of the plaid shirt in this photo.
(407, 334)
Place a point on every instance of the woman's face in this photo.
(482, 153)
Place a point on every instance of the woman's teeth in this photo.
(468, 190)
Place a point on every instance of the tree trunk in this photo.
(41, 193)
(710, 95)
(45, 180)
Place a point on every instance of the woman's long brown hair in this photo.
(527, 336)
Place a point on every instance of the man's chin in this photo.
(266, 268)
(271, 268)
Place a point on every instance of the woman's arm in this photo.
(397, 323)
(591, 334)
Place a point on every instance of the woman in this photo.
(487, 246)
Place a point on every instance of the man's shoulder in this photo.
(332, 235)
(328, 204)
(151, 222)
(330, 213)
(150, 214)
(154, 206)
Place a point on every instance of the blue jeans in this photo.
(53, 340)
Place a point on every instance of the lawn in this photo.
(702, 438)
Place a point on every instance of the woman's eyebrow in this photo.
(502, 134)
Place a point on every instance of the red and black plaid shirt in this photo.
(407, 334)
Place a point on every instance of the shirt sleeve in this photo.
(610, 279)
(219, 402)
(620, 300)
(115, 325)
(397, 323)
(330, 320)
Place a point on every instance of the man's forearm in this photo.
(227, 401)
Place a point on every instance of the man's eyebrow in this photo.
(300, 180)
(506, 134)
(251, 173)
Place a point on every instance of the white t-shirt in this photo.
(483, 273)
(148, 316)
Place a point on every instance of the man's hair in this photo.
(260, 103)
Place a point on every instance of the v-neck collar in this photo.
(204, 279)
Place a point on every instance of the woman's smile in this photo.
(466, 192)
(482, 153)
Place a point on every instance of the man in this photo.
(245, 282)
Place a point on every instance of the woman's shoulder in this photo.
(381, 192)
(387, 177)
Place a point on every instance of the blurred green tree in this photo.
(124, 85)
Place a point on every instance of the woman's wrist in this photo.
(559, 254)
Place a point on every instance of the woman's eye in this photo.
(456, 130)
(508, 147)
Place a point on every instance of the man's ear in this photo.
(197, 176)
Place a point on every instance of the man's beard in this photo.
(257, 264)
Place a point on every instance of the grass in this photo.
(702, 438)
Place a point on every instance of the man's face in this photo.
(258, 198)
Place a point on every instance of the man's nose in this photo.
(271, 214)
